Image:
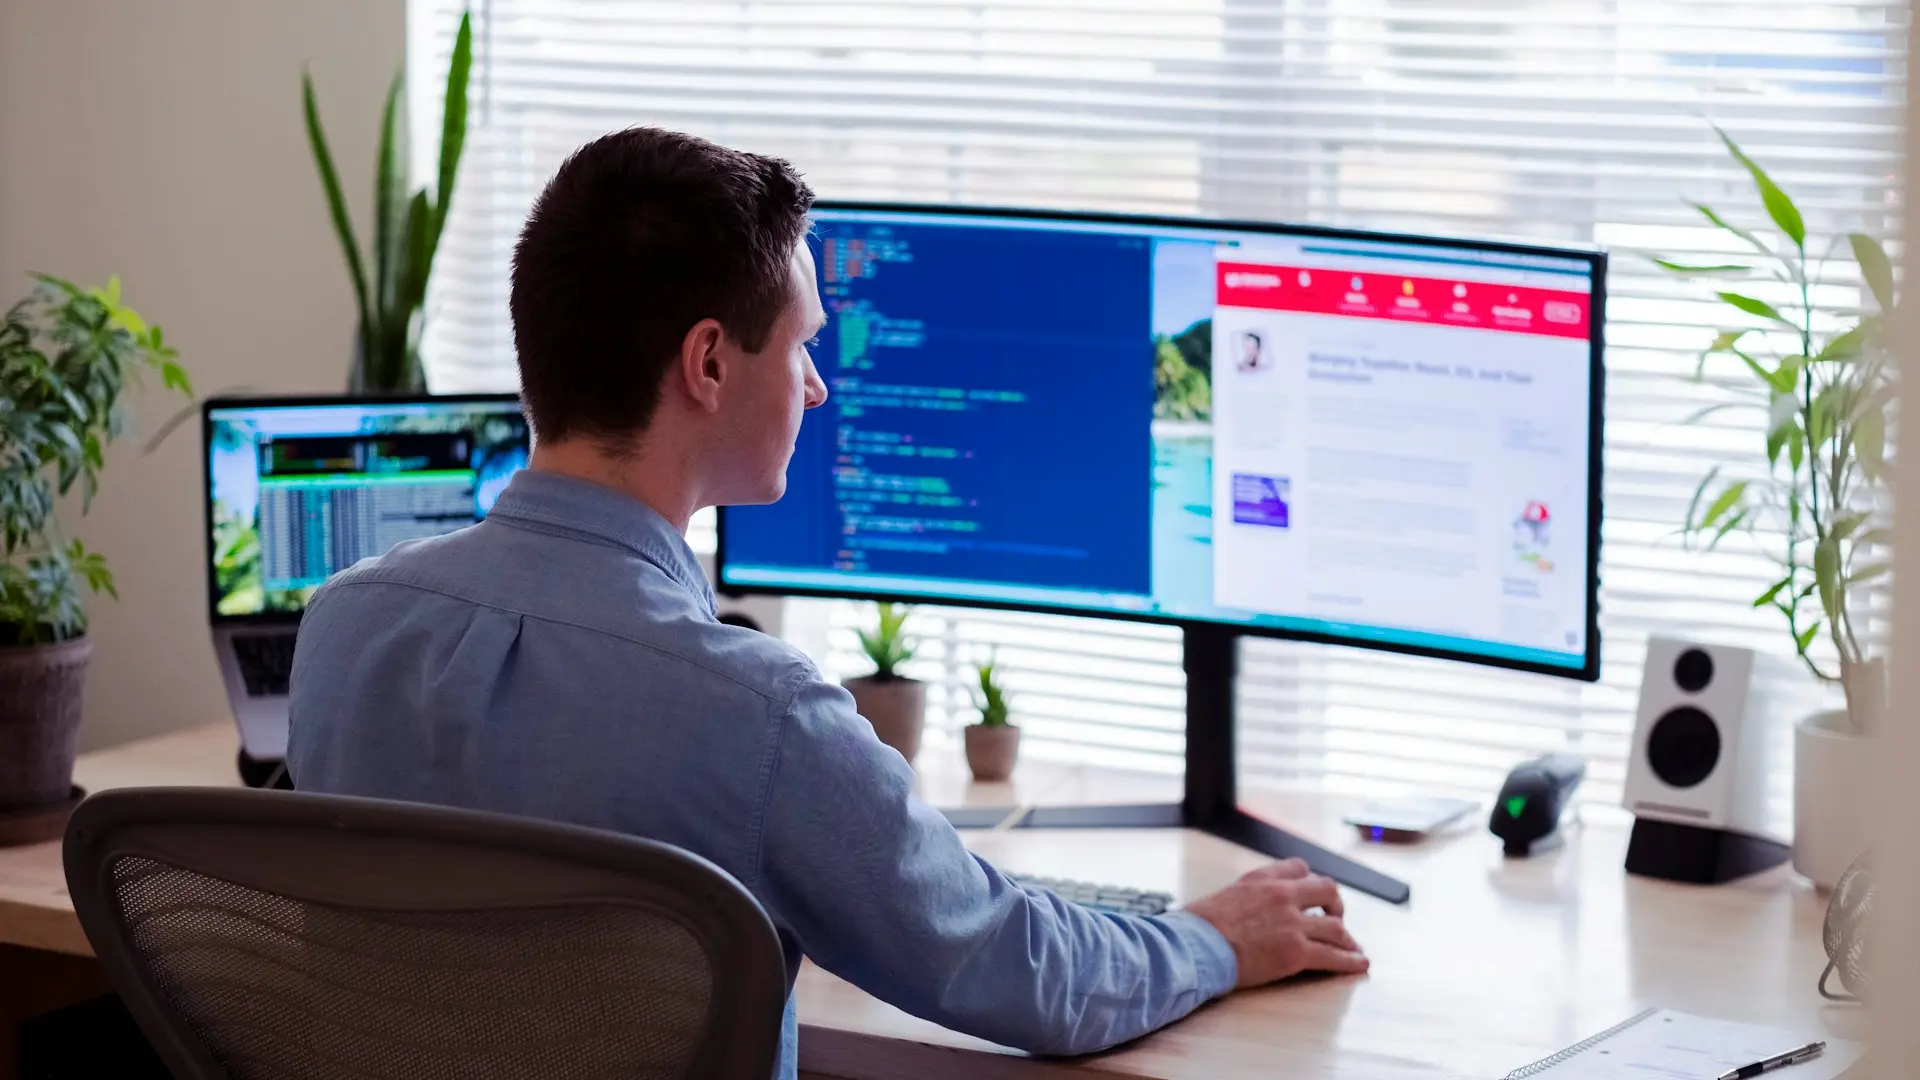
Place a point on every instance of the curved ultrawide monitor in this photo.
(1361, 439)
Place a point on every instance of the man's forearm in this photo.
(1058, 979)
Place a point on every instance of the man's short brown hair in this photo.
(640, 235)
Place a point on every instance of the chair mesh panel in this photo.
(277, 988)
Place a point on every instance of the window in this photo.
(1583, 121)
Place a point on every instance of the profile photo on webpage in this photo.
(1252, 352)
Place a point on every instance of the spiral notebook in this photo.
(1661, 1044)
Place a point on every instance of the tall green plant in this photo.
(1823, 377)
(406, 230)
(887, 645)
(992, 698)
(65, 356)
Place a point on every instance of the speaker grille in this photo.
(1683, 747)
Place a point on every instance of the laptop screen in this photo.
(300, 489)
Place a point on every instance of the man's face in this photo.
(1250, 350)
(776, 387)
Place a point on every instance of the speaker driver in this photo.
(1693, 671)
(1683, 747)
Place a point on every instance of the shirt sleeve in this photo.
(878, 889)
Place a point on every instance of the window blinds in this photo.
(1582, 121)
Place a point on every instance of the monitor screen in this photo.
(1345, 437)
(300, 490)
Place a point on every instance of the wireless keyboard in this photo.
(1114, 898)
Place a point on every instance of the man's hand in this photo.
(1269, 918)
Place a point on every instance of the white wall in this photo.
(163, 142)
(1896, 961)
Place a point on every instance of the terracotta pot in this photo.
(896, 707)
(991, 751)
(1835, 782)
(40, 688)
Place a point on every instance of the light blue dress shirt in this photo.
(562, 660)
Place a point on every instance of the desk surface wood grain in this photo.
(1494, 963)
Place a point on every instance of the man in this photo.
(562, 659)
(1252, 355)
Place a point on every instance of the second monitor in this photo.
(1386, 442)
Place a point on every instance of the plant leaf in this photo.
(1821, 415)
(389, 196)
(1702, 271)
(1734, 521)
(336, 202)
(1693, 505)
(1726, 339)
(1874, 267)
(1845, 346)
(1726, 501)
(1766, 598)
(1779, 207)
(1777, 440)
(1847, 524)
(1781, 379)
(453, 125)
(1869, 572)
(1736, 230)
(1755, 307)
(1870, 443)
(1705, 411)
(1826, 574)
(1806, 637)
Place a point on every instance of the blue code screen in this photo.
(940, 452)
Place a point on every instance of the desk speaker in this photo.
(1704, 743)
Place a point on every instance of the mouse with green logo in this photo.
(1527, 813)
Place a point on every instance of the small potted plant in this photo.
(993, 744)
(65, 354)
(1822, 380)
(894, 704)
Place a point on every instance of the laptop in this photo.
(299, 489)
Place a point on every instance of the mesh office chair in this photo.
(264, 935)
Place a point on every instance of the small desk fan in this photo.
(1845, 934)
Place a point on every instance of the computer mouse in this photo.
(1527, 813)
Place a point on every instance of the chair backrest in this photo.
(261, 935)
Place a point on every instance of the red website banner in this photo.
(1439, 301)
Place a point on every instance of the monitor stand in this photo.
(1210, 655)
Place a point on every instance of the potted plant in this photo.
(1822, 377)
(993, 744)
(65, 355)
(894, 704)
(406, 230)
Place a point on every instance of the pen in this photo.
(1791, 1057)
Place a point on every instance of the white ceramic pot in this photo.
(1834, 782)
(897, 709)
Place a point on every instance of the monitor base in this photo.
(1210, 654)
(1237, 827)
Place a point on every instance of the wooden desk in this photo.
(35, 911)
(1494, 963)
(45, 961)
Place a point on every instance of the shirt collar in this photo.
(589, 509)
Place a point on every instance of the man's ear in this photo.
(702, 367)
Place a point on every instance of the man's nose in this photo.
(816, 388)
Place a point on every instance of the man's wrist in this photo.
(1215, 964)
